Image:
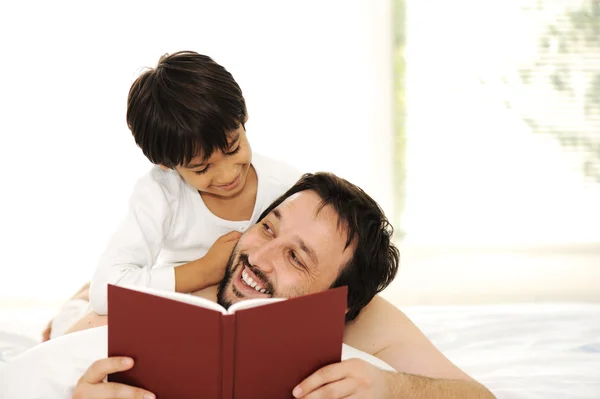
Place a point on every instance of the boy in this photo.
(188, 116)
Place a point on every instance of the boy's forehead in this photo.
(202, 159)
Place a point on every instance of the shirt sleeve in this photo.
(133, 249)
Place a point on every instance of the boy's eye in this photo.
(234, 151)
(200, 172)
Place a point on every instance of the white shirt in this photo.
(168, 225)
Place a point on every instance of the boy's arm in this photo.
(208, 270)
(133, 249)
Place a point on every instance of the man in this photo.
(325, 232)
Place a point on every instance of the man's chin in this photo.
(228, 294)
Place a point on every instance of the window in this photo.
(498, 121)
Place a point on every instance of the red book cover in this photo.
(189, 347)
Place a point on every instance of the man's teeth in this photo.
(250, 282)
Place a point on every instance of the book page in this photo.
(252, 303)
(180, 297)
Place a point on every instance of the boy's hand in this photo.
(215, 260)
(208, 270)
(46, 332)
(82, 293)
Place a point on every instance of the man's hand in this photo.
(353, 378)
(91, 385)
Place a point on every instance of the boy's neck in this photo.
(238, 207)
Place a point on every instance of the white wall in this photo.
(315, 75)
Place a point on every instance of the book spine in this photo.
(228, 356)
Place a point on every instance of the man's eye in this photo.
(295, 258)
(267, 228)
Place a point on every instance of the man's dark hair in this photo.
(183, 108)
(375, 261)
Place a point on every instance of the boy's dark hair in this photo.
(375, 261)
(183, 108)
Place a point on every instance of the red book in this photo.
(186, 347)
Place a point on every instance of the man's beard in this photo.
(230, 270)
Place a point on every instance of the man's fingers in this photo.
(339, 389)
(120, 391)
(110, 391)
(323, 376)
(101, 368)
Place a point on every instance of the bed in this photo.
(524, 351)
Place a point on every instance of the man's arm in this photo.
(357, 378)
(408, 386)
(382, 330)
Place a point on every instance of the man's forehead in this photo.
(308, 206)
(300, 202)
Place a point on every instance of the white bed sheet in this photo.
(524, 351)
(21, 328)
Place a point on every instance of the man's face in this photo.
(295, 250)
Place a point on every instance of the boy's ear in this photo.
(164, 167)
(246, 120)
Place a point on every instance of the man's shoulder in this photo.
(376, 327)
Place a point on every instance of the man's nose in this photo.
(264, 256)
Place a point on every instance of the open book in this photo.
(189, 347)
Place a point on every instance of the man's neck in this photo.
(209, 293)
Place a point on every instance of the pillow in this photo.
(51, 370)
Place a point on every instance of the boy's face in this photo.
(224, 173)
(297, 249)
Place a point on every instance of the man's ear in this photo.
(246, 120)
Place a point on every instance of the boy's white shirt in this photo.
(51, 370)
(168, 224)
